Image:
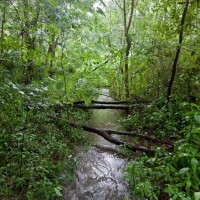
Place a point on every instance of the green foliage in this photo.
(176, 174)
(165, 119)
(154, 34)
(48, 54)
(53, 53)
(34, 150)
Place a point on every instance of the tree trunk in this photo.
(174, 66)
(29, 41)
(2, 25)
(126, 68)
(128, 45)
(52, 51)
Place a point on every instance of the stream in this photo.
(99, 175)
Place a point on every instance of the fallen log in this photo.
(106, 136)
(102, 106)
(113, 102)
(103, 102)
(155, 140)
(113, 140)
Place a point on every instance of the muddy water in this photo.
(99, 175)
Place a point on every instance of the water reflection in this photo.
(100, 169)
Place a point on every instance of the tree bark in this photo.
(174, 66)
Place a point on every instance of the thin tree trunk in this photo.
(28, 68)
(128, 45)
(51, 51)
(62, 58)
(2, 25)
(174, 66)
(29, 41)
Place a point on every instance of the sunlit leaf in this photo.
(58, 193)
(197, 117)
(87, 100)
(184, 170)
(197, 195)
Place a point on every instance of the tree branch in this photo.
(124, 12)
(100, 65)
(118, 5)
(131, 16)
(155, 140)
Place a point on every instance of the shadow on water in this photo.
(99, 175)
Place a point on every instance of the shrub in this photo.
(171, 175)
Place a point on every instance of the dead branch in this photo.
(148, 138)
(113, 140)
(105, 135)
(102, 106)
(113, 102)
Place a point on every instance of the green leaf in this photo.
(197, 117)
(169, 189)
(8, 25)
(21, 92)
(100, 11)
(188, 185)
(184, 170)
(58, 193)
(197, 195)
(59, 85)
(87, 100)
(194, 163)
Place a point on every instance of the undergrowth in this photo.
(34, 149)
(167, 175)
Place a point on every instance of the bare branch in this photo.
(118, 5)
(131, 16)
(100, 65)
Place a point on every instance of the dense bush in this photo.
(34, 149)
(172, 175)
